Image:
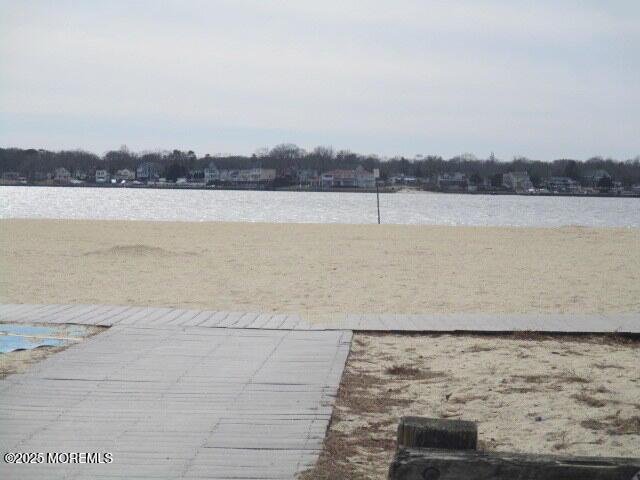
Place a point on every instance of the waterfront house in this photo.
(79, 174)
(102, 176)
(247, 176)
(253, 175)
(341, 178)
(211, 173)
(594, 177)
(148, 171)
(229, 176)
(517, 181)
(307, 177)
(402, 179)
(259, 175)
(326, 179)
(61, 175)
(364, 178)
(562, 185)
(125, 174)
(452, 182)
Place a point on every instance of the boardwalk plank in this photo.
(155, 314)
(169, 317)
(199, 317)
(31, 312)
(214, 320)
(178, 402)
(125, 314)
(184, 316)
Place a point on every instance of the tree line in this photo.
(287, 158)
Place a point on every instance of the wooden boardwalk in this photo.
(159, 317)
(176, 393)
(177, 402)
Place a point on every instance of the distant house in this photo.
(246, 176)
(148, 171)
(61, 175)
(452, 182)
(517, 181)
(338, 178)
(358, 178)
(211, 173)
(259, 175)
(593, 178)
(80, 174)
(562, 185)
(125, 174)
(229, 176)
(402, 179)
(307, 177)
(102, 176)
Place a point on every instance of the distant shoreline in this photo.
(385, 189)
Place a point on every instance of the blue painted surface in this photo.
(17, 329)
(25, 337)
(9, 343)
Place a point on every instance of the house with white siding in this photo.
(102, 176)
(344, 178)
(517, 181)
(62, 175)
(148, 171)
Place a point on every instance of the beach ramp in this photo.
(174, 402)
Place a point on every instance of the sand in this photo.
(544, 395)
(585, 395)
(321, 270)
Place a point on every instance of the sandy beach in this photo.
(321, 270)
(578, 397)
(536, 394)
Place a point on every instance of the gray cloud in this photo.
(518, 78)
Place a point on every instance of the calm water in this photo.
(297, 207)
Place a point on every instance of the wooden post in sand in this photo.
(420, 432)
(438, 449)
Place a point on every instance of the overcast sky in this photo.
(544, 79)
